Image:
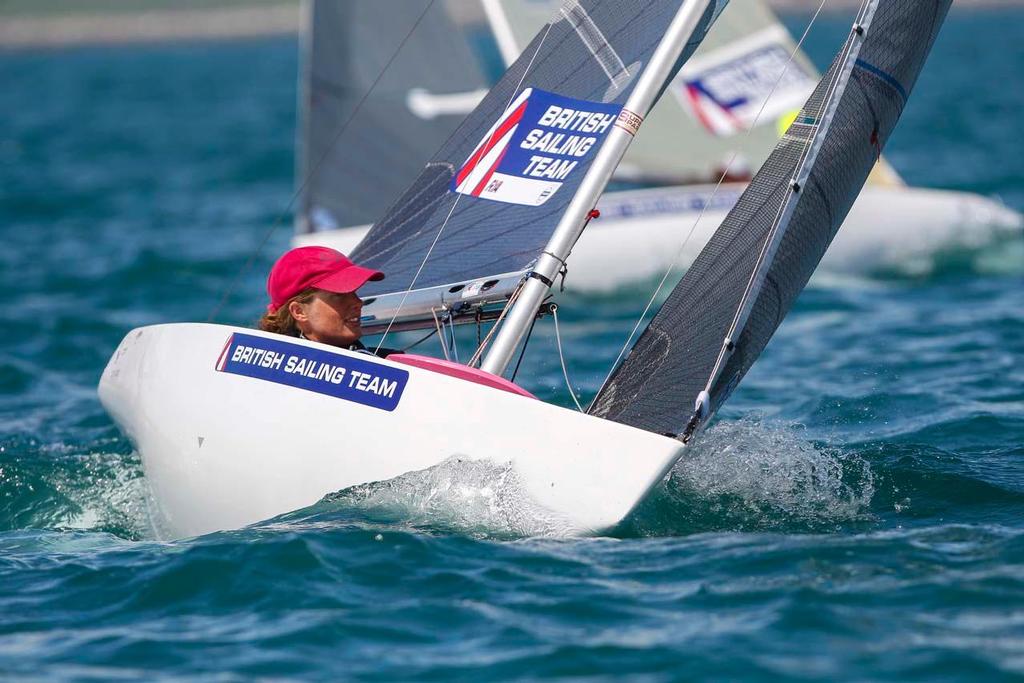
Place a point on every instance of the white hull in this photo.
(222, 450)
(639, 234)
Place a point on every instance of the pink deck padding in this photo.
(464, 372)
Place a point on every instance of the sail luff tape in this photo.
(629, 121)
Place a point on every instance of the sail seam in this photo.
(885, 77)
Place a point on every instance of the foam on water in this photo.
(744, 475)
(472, 497)
(748, 475)
(68, 486)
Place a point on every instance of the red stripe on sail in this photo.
(702, 115)
(480, 187)
(491, 142)
(698, 109)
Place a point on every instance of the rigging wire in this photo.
(233, 285)
(515, 93)
(696, 222)
(441, 334)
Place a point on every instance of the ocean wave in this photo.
(94, 487)
(751, 475)
(458, 496)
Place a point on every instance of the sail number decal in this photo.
(334, 374)
(535, 146)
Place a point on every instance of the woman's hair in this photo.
(281, 320)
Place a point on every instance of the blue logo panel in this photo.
(540, 140)
(341, 376)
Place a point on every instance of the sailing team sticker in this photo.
(540, 140)
(753, 79)
(334, 374)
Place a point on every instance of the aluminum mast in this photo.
(650, 84)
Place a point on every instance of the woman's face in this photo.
(330, 318)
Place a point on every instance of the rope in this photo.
(561, 358)
(233, 285)
(440, 334)
(490, 333)
(721, 179)
(453, 344)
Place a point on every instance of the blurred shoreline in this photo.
(103, 26)
(101, 22)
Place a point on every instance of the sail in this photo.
(488, 201)
(711, 109)
(419, 100)
(719, 318)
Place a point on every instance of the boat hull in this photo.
(223, 450)
(639, 233)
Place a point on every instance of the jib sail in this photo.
(719, 318)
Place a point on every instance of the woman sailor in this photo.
(313, 296)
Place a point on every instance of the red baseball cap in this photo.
(315, 267)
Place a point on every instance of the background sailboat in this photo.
(684, 146)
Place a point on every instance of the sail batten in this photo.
(717, 321)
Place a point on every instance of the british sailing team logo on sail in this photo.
(534, 147)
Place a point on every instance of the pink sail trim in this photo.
(459, 371)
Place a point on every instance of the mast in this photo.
(303, 97)
(648, 88)
(502, 30)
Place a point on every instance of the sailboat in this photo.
(717, 113)
(235, 425)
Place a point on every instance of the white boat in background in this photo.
(236, 426)
(711, 114)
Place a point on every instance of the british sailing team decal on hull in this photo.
(540, 140)
(334, 374)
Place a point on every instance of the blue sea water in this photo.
(855, 513)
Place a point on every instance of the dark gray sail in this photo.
(756, 264)
(592, 54)
(351, 179)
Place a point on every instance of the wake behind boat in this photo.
(235, 426)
